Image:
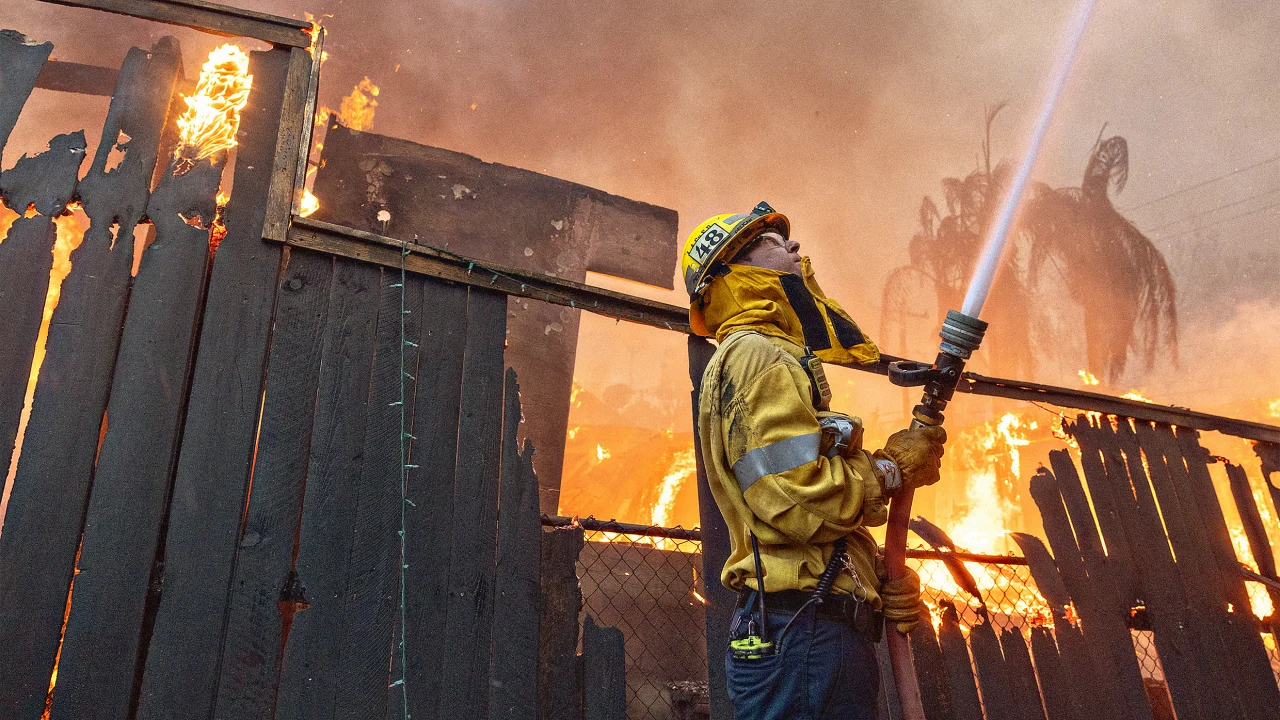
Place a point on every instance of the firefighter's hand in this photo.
(901, 601)
(918, 454)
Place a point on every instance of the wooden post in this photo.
(51, 488)
(313, 653)
(960, 674)
(1254, 529)
(604, 673)
(715, 549)
(22, 61)
(559, 672)
(932, 672)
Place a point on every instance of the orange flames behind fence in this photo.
(356, 112)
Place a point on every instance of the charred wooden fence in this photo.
(282, 479)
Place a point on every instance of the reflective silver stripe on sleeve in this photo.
(775, 458)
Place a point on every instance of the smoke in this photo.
(842, 115)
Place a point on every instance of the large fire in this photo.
(989, 456)
(212, 117)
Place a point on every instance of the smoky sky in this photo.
(841, 114)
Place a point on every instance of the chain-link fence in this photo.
(648, 583)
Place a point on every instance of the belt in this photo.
(844, 609)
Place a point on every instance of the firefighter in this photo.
(790, 476)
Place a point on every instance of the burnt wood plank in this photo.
(46, 182)
(1119, 681)
(209, 17)
(51, 486)
(469, 609)
(1254, 529)
(1022, 676)
(559, 679)
(961, 682)
(63, 76)
(1182, 649)
(1055, 682)
(1107, 506)
(22, 59)
(1225, 661)
(931, 673)
(226, 393)
(429, 515)
(604, 672)
(135, 464)
(262, 589)
(373, 577)
(307, 681)
(516, 587)
(993, 677)
(1245, 657)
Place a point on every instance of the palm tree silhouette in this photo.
(1113, 271)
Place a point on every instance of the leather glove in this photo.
(918, 454)
(900, 601)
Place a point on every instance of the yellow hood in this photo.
(781, 305)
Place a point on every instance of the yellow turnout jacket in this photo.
(760, 443)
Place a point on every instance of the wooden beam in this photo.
(209, 17)
(77, 78)
(370, 247)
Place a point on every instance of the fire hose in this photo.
(961, 334)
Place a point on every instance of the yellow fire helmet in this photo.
(719, 238)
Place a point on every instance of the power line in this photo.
(1193, 216)
(1202, 183)
(1220, 222)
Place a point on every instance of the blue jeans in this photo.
(823, 670)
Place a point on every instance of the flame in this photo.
(698, 596)
(1087, 377)
(602, 454)
(573, 432)
(1273, 407)
(1135, 395)
(357, 109)
(990, 456)
(309, 205)
(683, 468)
(1259, 599)
(212, 118)
(573, 395)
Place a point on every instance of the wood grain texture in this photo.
(559, 672)
(262, 604)
(961, 682)
(469, 608)
(22, 60)
(50, 489)
(308, 684)
(1156, 579)
(46, 182)
(134, 472)
(994, 682)
(1254, 528)
(604, 672)
(222, 421)
(517, 591)
(1055, 680)
(1119, 681)
(429, 516)
(209, 17)
(931, 672)
(373, 576)
(1022, 676)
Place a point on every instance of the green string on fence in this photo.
(404, 498)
